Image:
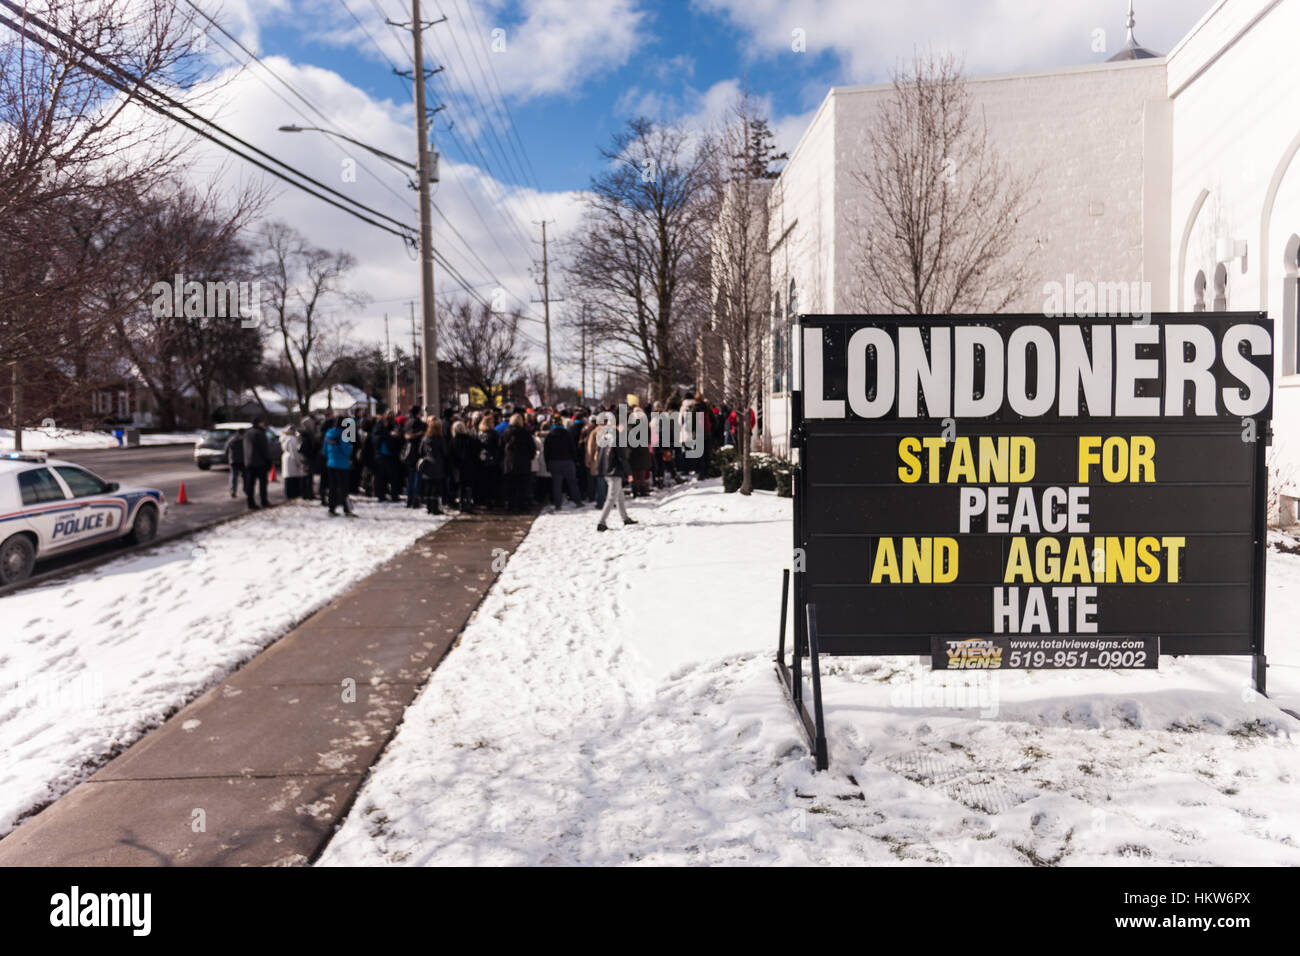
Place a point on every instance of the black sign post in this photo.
(998, 492)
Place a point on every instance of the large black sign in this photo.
(1019, 491)
(1034, 478)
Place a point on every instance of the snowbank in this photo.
(614, 701)
(62, 439)
(89, 665)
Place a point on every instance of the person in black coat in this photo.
(431, 465)
(575, 429)
(561, 461)
(310, 445)
(410, 457)
(519, 449)
(638, 453)
(257, 463)
(487, 486)
(464, 460)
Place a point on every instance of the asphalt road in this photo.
(157, 466)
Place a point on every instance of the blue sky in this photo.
(679, 51)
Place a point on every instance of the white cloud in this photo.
(869, 39)
(522, 50)
(494, 219)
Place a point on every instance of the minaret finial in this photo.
(1132, 50)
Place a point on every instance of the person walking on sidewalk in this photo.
(257, 463)
(235, 459)
(561, 461)
(611, 462)
(338, 464)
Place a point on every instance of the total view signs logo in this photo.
(972, 653)
(1056, 653)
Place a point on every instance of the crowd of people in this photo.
(511, 459)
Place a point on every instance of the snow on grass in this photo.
(614, 701)
(68, 439)
(89, 664)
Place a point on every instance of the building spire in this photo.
(1132, 50)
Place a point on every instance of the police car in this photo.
(49, 507)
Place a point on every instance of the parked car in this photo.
(210, 449)
(49, 506)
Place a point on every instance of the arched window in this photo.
(1198, 291)
(1291, 306)
(1221, 288)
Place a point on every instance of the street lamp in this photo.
(290, 128)
(427, 170)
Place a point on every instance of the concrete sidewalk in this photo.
(260, 768)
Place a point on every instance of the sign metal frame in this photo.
(805, 646)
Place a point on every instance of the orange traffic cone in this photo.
(181, 497)
(272, 478)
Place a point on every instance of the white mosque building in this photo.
(1176, 170)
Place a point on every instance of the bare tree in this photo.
(742, 172)
(641, 256)
(484, 344)
(178, 230)
(70, 136)
(938, 229)
(74, 158)
(304, 284)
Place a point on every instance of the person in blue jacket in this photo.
(338, 462)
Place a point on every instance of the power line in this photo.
(464, 153)
(453, 91)
(254, 58)
(138, 95)
(501, 95)
(457, 275)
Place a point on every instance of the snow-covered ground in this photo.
(614, 701)
(90, 664)
(65, 439)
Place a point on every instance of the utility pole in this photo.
(582, 360)
(427, 174)
(546, 309)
